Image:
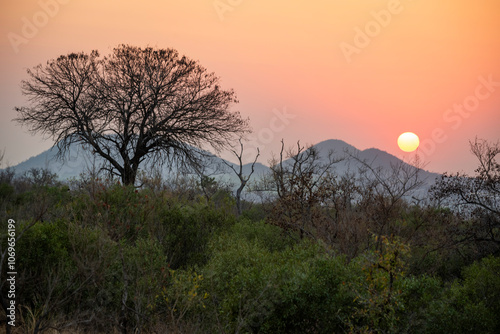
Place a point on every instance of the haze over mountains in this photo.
(81, 160)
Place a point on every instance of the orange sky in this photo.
(290, 57)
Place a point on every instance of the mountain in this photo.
(353, 158)
(73, 165)
(81, 160)
(354, 161)
(335, 145)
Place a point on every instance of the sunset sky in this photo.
(356, 70)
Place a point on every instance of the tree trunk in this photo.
(238, 198)
(129, 174)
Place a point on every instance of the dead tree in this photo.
(132, 105)
(243, 179)
(476, 198)
(384, 191)
(303, 184)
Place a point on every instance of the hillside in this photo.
(80, 160)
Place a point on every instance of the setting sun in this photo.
(408, 142)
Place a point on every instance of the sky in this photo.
(360, 71)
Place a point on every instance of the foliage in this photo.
(301, 187)
(477, 198)
(132, 105)
(377, 293)
(125, 213)
(102, 257)
(183, 298)
(258, 288)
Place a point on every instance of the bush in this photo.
(183, 229)
(6, 191)
(43, 246)
(46, 278)
(184, 232)
(289, 289)
(378, 287)
(268, 236)
(77, 274)
(471, 305)
(418, 293)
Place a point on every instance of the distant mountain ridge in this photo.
(80, 160)
(373, 156)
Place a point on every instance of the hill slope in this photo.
(353, 161)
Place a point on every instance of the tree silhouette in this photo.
(239, 172)
(303, 184)
(131, 105)
(477, 197)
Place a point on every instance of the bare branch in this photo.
(132, 105)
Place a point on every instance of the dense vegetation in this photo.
(325, 255)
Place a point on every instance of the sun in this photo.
(408, 142)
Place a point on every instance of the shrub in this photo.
(125, 213)
(418, 293)
(471, 305)
(185, 230)
(377, 289)
(72, 274)
(289, 289)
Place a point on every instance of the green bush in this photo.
(46, 278)
(378, 286)
(479, 297)
(418, 294)
(43, 246)
(470, 305)
(255, 212)
(183, 229)
(121, 210)
(275, 290)
(183, 300)
(6, 191)
(482, 284)
(314, 295)
(142, 270)
(74, 273)
(268, 236)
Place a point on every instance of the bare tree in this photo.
(383, 192)
(394, 183)
(243, 178)
(132, 105)
(477, 198)
(303, 185)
